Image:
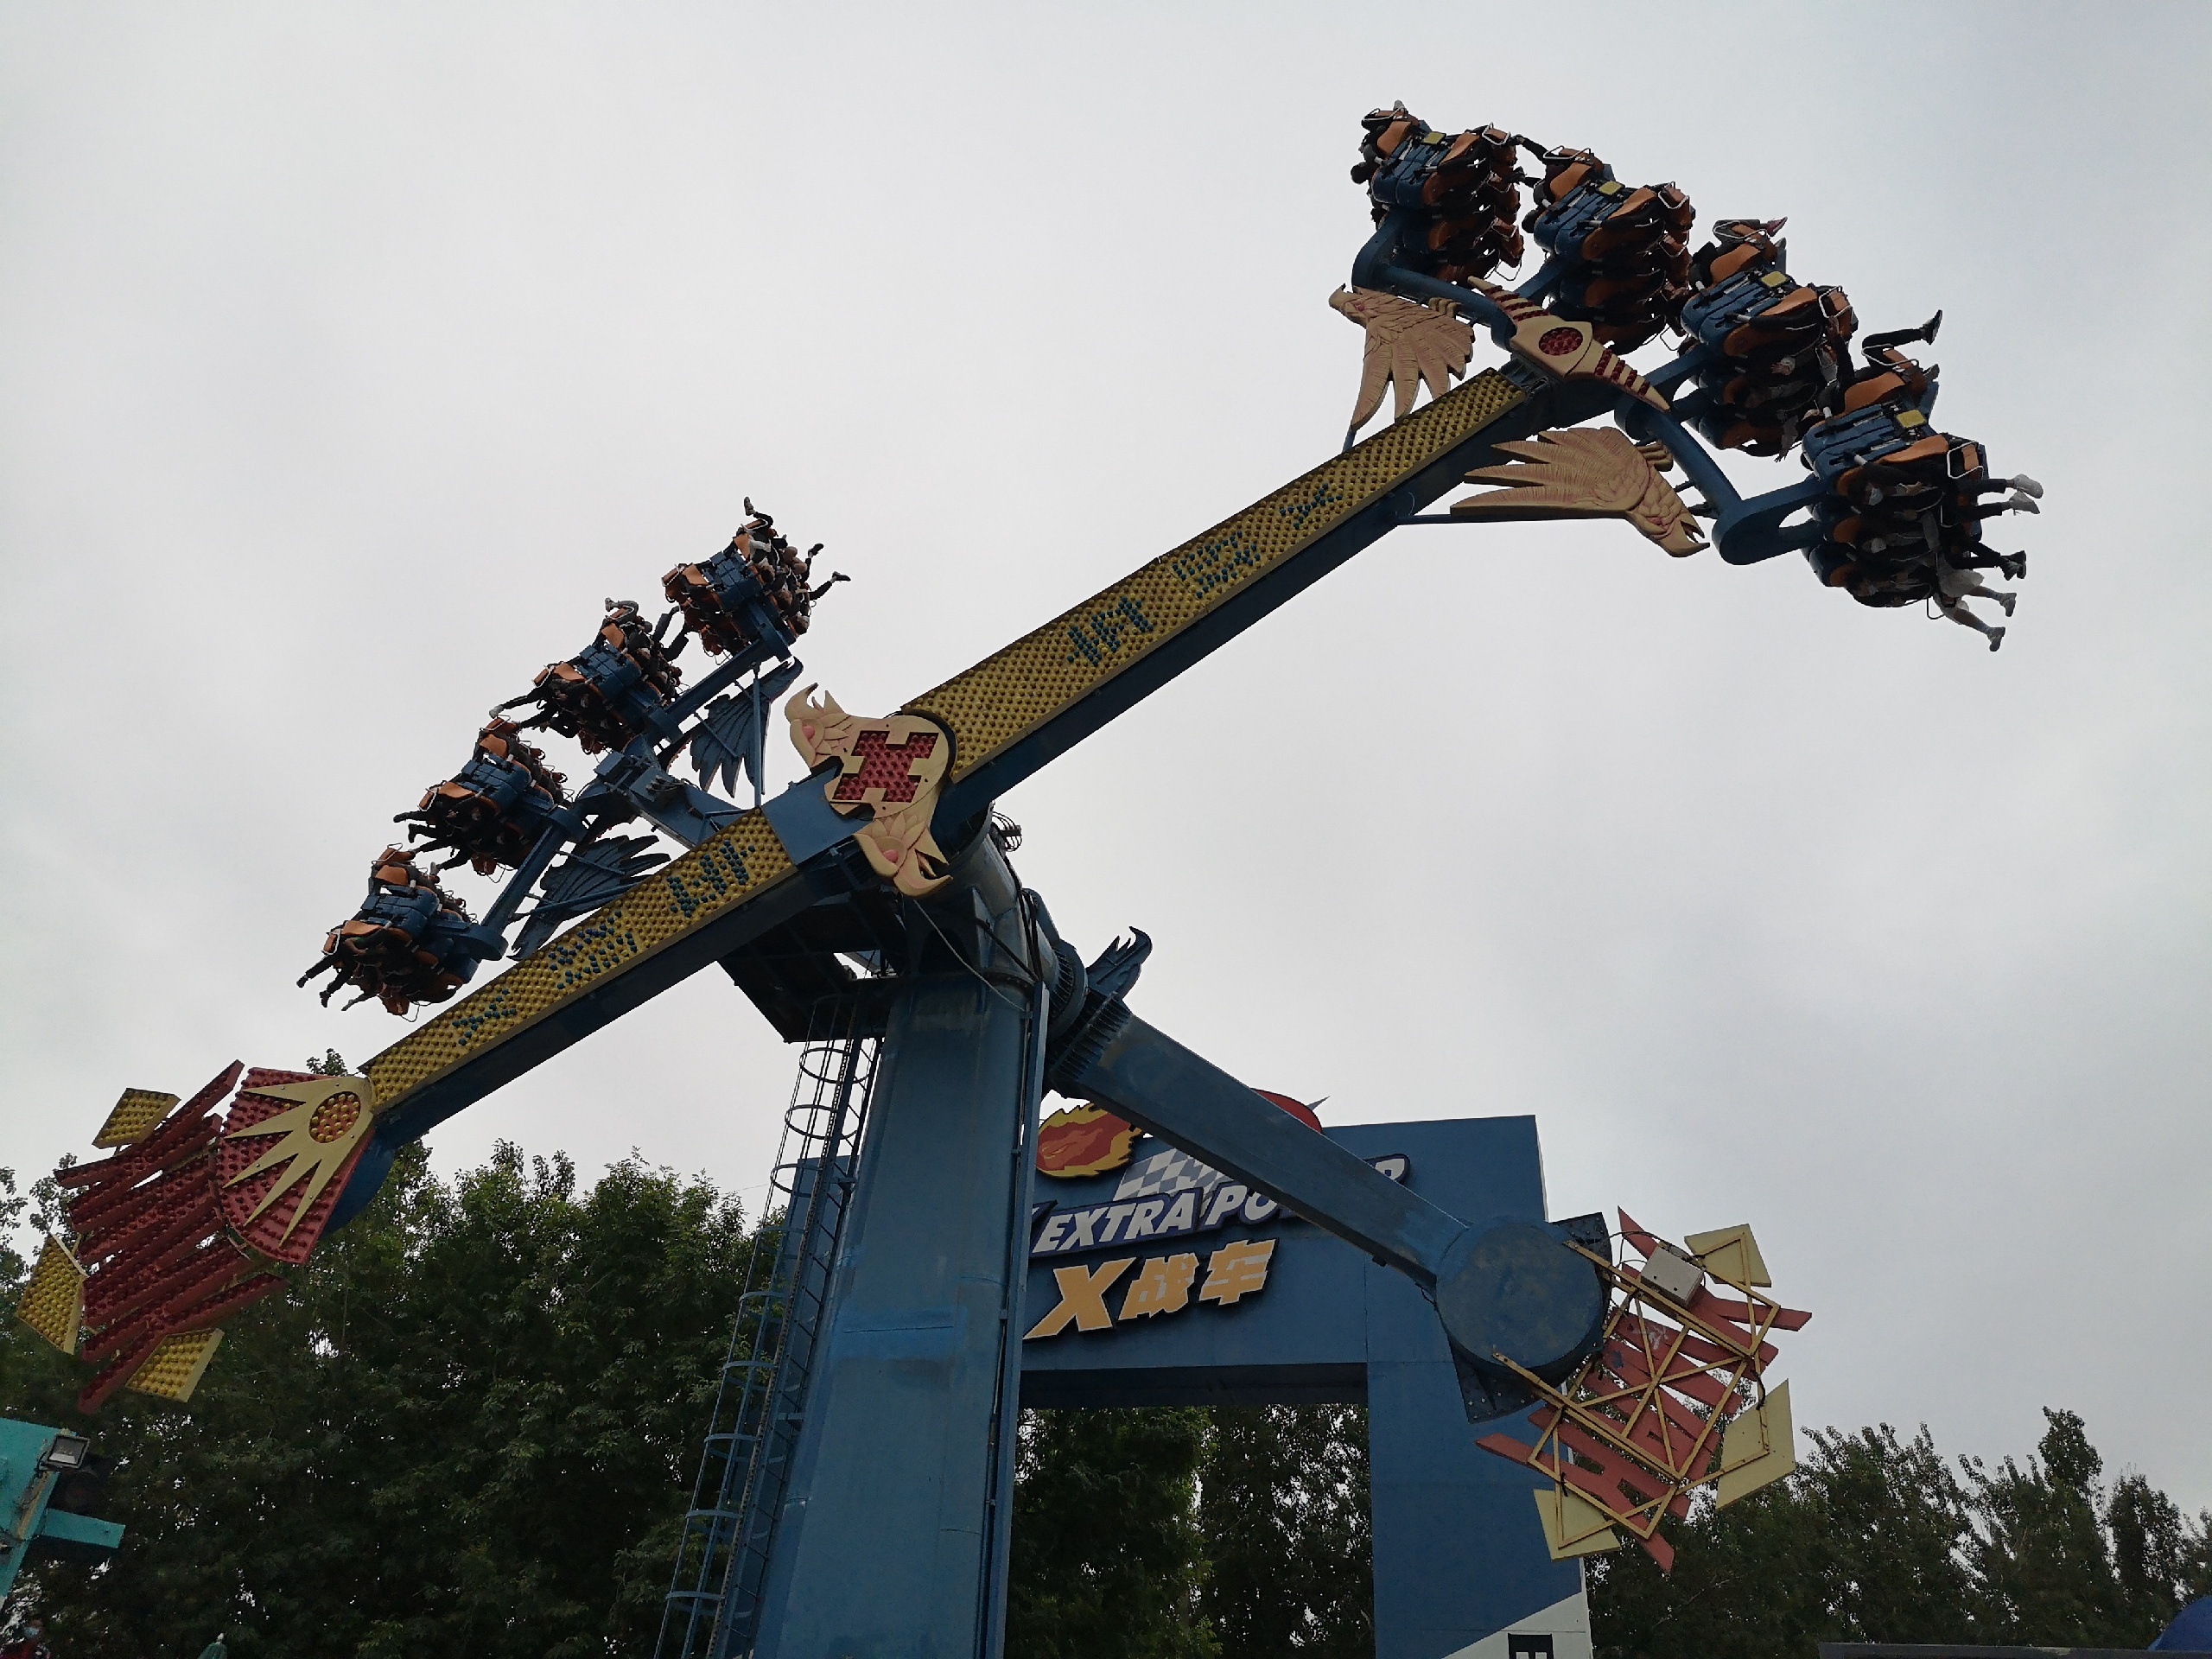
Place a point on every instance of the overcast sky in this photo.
(350, 357)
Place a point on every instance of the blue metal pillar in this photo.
(886, 1550)
(1460, 1566)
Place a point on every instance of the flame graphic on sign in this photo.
(1082, 1140)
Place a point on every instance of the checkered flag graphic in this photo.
(1165, 1173)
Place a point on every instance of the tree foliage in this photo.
(1284, 1522)
(1240, 1532)
(1878, 1538)
(467, 1427)
(1107, 1559)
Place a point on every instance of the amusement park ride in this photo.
(871, 913)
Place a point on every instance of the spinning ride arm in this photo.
(1891, 512)
(886, 790)
(882, 791)
(1001, 721)
(1511, 1298)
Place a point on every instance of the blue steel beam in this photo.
(1192, 1103)
(1509, 1292)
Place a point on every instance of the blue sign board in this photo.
(1162, 1283)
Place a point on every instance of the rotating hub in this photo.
(1512, 1291)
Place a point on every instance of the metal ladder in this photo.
(714, 1600)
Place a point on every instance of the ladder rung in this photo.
(762, 1396)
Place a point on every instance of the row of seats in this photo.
(407, 944)
(1774, 371)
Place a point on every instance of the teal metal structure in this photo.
(44, 1474)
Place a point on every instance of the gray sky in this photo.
(349, 357)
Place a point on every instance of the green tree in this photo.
(2042, 1566)
(1892, 1517)
(14, 1269)
(1878, 1538)
(467, 1427)
(2162, 1565)
(1861, 1545)
(1107, 1559)
(1285, 1523)
(1242, 1530)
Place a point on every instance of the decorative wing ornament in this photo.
(1565, 348)
(181, 1226)
(1115, 971)
(892, 765)
(725, 744)
(1675, 1397)
(1407, 344)
(1586, 472)
(587, 878)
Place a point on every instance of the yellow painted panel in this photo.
(1010, 693)
(1573, 1525)
(1758, 1448)
(1730, 1253)
(737, 863)
(134, 1116)
(173, 1369)
(53, 1302)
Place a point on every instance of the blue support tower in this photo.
(1461, 1567)
(893, 1540)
